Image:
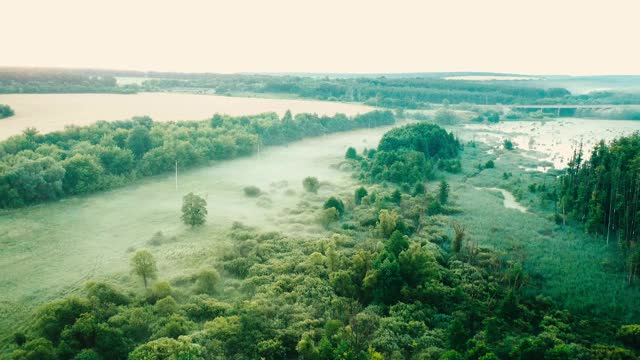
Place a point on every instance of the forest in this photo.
(396, 279)
(602, 194)
(80, 160)
(409, 91)
(37, 81)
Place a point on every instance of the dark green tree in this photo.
(194, 210)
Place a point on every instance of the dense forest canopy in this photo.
(79, 160)
(411, 154)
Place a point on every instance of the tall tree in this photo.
(144, 265)
(194, 210)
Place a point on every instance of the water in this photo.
(509, 201)
(51, 112)
(552, 140)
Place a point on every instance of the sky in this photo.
(325, 36)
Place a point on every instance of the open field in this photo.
(50, 112)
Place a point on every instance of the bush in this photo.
(252, 191)
(508, 144)
(328, 216)
(311, 184)
(6, 111)
(207, 281)
(333, 202)
(359, 194)
(489, 165)
(630, 335)
(351, 154)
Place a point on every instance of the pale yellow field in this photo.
(50, 112)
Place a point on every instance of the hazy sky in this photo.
(522, 36)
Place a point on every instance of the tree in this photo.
(6, 111)
(194, 210)
(144, 265)
(167, 349)
(139, 141)
(387, 221)
(458, 238)
(351, 153)
(360, 193)
(508, 144)
(311, 184)
(206, 281)
(445, 116)
(489, 165)
(443, 192)
(336, 203)
(328, 216)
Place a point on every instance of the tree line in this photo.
(603, 193)
(36, 81)
(80, 160)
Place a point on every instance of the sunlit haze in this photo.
(575, 37)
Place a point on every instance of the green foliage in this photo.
(489, 164)
(328, 216)
(387, 222)
(630, 335)
(360, 193)
(335, 203)
(35, 168)
(252, 191)
(445, 116)
(311, 184)
(167, 349)
(194, 210)
(144, 265)
(6, 111)
(351, 153)
(602, 193)
(408, 154)
(207, 281)
(443, 192)
(508, 144)
(398, 291)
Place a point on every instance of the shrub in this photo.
(252, 191)
(207, 281)
(311, 184)
(333, 202)
(508, 144)
(351, 154)
(328, 216)
(359, 194)
(630, 335)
